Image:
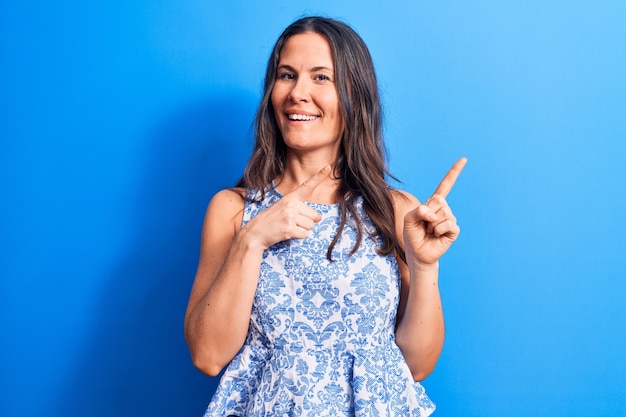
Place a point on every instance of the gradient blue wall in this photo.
(119, 120)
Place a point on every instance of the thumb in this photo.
(304, 190)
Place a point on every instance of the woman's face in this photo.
(304, 97)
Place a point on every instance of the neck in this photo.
(300, 169)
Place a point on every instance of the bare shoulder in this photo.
(229, 198)
(226, 209)
(222, 221)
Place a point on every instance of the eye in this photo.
(284, 75)
(321, 77)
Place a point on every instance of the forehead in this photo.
(309, 47)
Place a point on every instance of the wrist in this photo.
(247, 240)
(418, 266)
(422, 267)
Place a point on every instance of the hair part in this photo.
(361, 166)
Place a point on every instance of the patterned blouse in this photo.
(321, 340)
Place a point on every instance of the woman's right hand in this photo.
(289, 217)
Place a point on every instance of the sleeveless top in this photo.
(321, 340)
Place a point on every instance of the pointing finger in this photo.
(445, 186)
(304, 190)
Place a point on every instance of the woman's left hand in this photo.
(430, 228)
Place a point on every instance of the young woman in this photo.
(318, 283)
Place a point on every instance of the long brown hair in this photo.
(361, 166)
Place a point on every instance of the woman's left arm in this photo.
(427, 231)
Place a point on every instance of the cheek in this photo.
(332, 102)
(338, 119)
(278, 95)
(340, 125)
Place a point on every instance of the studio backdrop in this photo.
(119, 120)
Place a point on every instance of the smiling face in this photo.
(304, 97)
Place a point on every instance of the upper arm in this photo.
(403, 202)
(222, 220)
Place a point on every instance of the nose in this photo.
(300, 92)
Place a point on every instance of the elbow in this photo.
(208, 369)
(203, 358)
(206, 364)
(420, 361)
(208, 358)
(421, 367)
(420, 373)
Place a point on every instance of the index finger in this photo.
(305, 189)
(446, 184)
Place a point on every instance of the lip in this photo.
(310, 117)
(300, 112)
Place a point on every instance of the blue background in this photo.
(119, 120)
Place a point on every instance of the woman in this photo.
(317, 282)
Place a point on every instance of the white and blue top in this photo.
(321, 340)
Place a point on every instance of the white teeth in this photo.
(301, 117)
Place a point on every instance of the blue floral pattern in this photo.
(321, 340)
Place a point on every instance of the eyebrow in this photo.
(314, 69)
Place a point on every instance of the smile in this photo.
(292, 116)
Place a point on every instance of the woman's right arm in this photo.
(218, 313)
